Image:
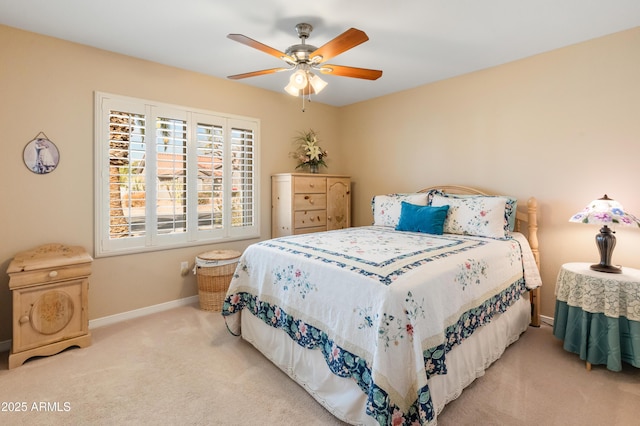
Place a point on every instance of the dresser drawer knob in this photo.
(53, 274)
(24, 319)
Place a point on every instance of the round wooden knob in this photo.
(24, 319)
(53, 274)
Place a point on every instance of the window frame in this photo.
(153, 240)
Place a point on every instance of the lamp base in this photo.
(607, 268)
(606, 241)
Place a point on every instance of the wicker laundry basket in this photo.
(214, 270)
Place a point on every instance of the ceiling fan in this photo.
(305, 58)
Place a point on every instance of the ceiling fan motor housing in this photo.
(301, 52)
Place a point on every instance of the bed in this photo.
(386, 324)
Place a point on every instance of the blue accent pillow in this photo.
(426, 219)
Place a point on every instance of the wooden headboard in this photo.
(525, 219)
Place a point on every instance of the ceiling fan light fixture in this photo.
(297, 82)
(299, 79)
(317, 83)
(303, 82)
(290, 89)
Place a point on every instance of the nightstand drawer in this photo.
(310, 185)
(310, 218)
(309, 201)
(49, 275)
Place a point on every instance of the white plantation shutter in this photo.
(169, 176)
(242, 177)
(210, 149)
(127, 144)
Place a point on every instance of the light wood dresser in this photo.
(49, 286)
(305, 202)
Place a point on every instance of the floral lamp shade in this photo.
(605, 211)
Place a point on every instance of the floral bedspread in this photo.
(384, 307)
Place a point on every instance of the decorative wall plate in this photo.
(41, 156)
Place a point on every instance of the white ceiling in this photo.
(413, 41)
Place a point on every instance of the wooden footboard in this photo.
(526, 223)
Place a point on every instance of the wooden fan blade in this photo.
(257, 73)
(345, 41)
(263, 47)
(354, 72)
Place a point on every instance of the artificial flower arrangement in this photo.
(308, 152)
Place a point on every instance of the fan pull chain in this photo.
(308, 97)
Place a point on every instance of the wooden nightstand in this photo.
(50, 286)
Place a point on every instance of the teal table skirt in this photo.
(598, 339)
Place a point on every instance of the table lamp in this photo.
(605, 211)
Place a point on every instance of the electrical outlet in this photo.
(184, 268)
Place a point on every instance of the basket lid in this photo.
(217, 258)
(219, 255)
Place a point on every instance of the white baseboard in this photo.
(546, 320)
(136, 313)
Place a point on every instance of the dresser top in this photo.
(303, 174)
(48, 256)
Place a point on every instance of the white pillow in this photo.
(478, 216)
(387, 208)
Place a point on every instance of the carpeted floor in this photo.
(182, 367)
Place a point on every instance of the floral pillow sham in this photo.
(477, 216)
(509, 210)
(387, 208)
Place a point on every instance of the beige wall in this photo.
(48, 85)
(562, 126)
